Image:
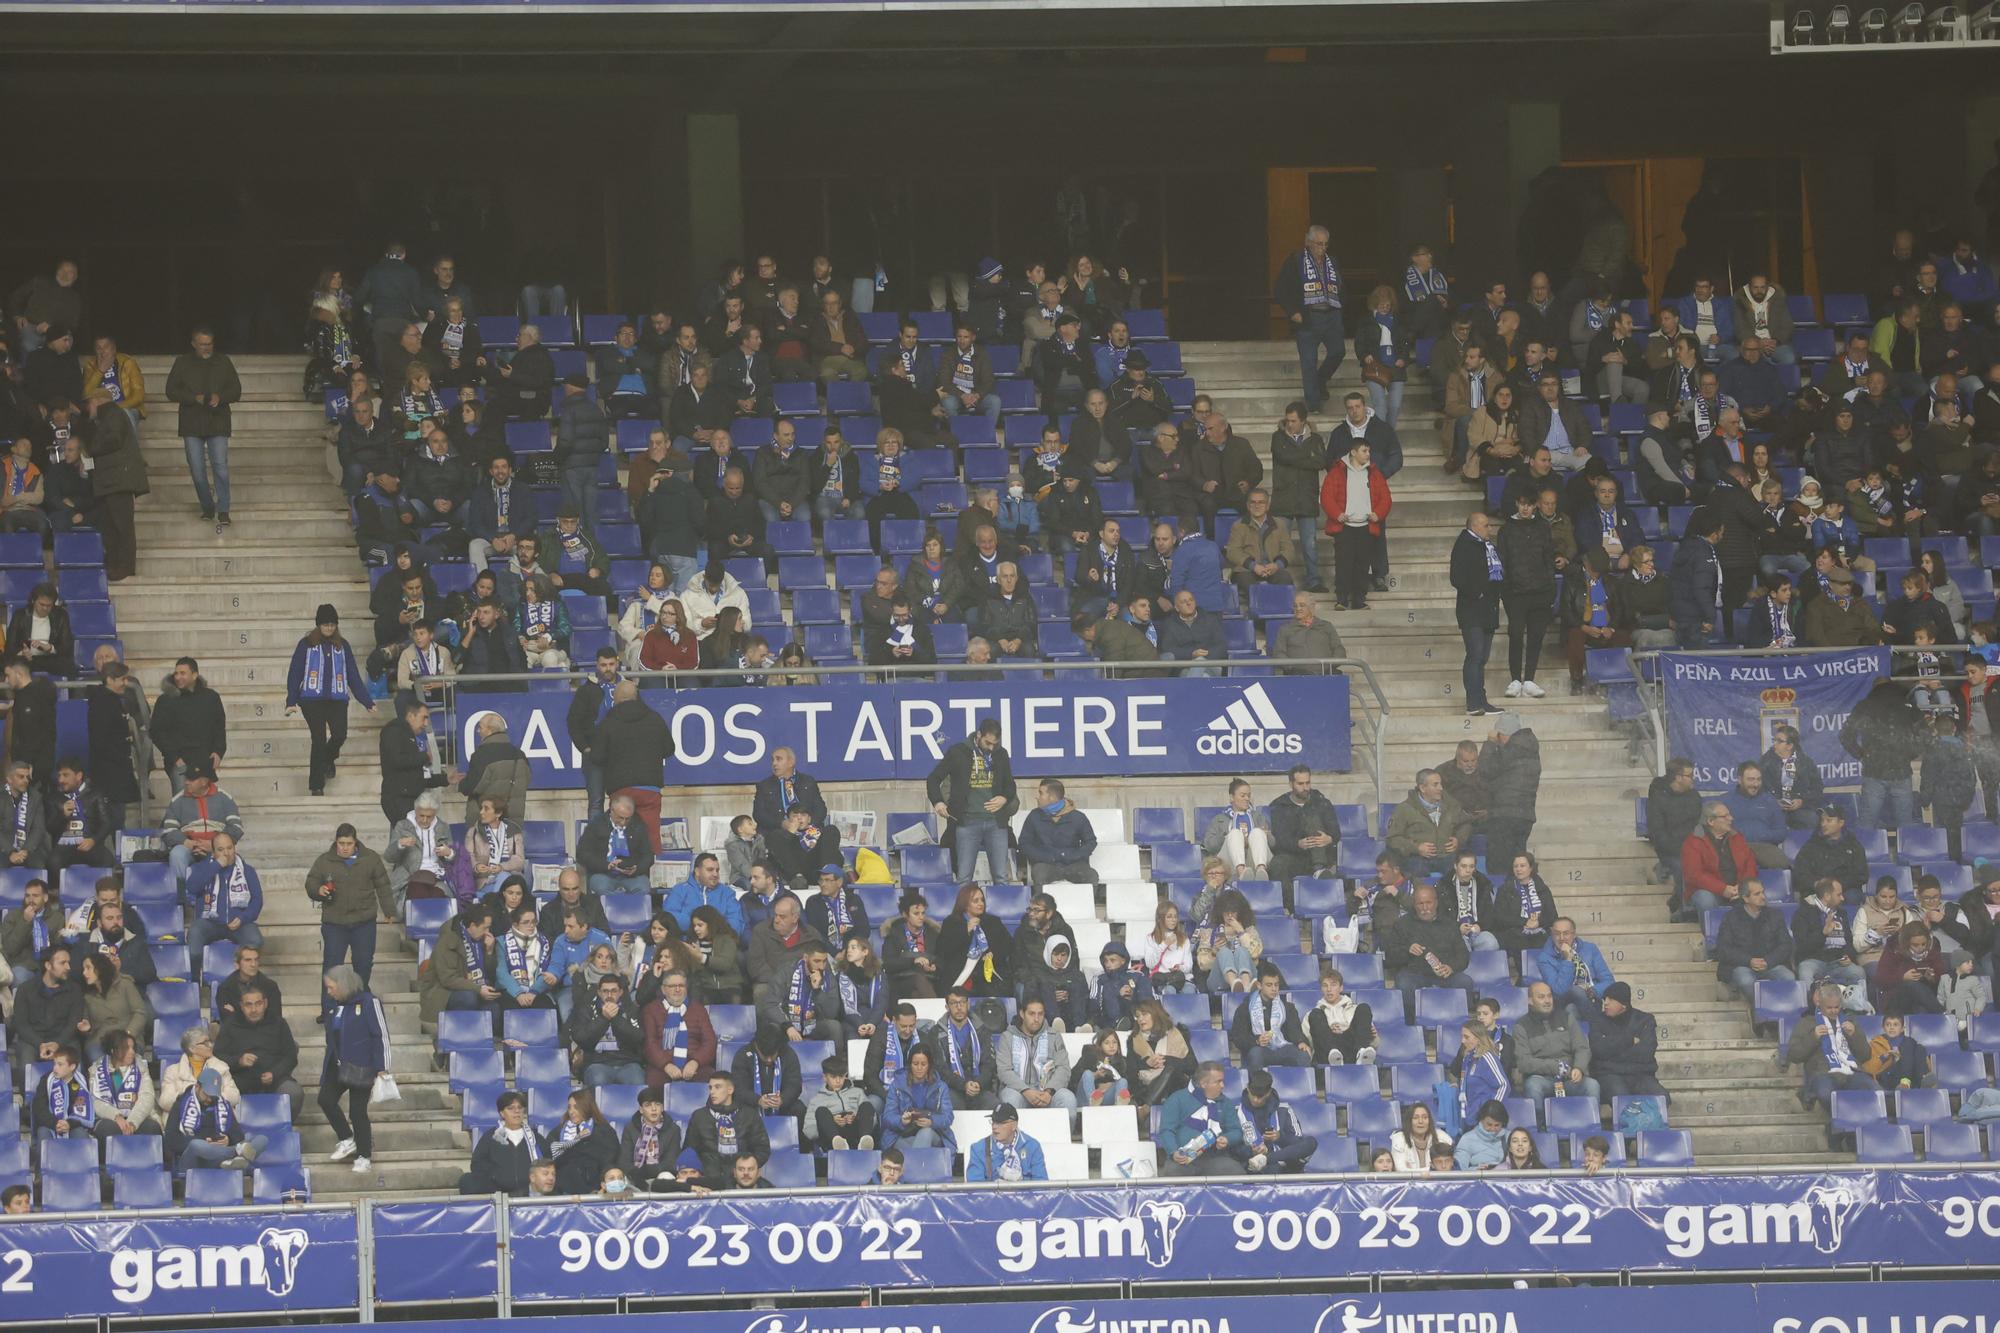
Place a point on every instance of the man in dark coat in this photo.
(189, 722)
(1476, 576)
(1511, 763)
(1694, 599)
(634, 746)
(785, 790)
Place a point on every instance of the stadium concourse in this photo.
(291, 549)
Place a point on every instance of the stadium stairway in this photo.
(239, 599)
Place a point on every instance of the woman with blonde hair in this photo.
(333, 352)
(1383, 347)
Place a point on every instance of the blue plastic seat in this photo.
(1158, 824)
(1189, 1007)
(528, 1027)
(151, 1188)
(68, 1156)
(801, 571)
(1961, 1071)
(1919, 844)
(1415, 1082)
(1352, 1083)
(1950, 1141)
(926, 1166)
(1396, 1044)
(1881, 1145)
(280, 1184)
(1922, 1108)
(72, 1191)
(852, 1166)
(1373, 1120)
(1853, 1109)
(1176, 860)
(215, 1187)
(1357, 857)
(928, 865)
(1488, 968)
(1571, 1115)
(470, 1029)
(1778, 1002)
(1666, 1148)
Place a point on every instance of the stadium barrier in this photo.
(828, 1242)
(1789, 1307)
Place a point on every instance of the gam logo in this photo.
(1149, 1235)
(272, 1263)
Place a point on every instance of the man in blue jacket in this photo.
(1574, 969)
(1308, 289)
(1758, 817)
(1006, 1153)
(1711, 318)
(704, 888)
(1694, 588)
(1198, 1130)
(1197, 567)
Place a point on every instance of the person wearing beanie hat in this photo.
(1138, 399)
(1624, 1048)
(766, 1072)
(583, 438)
(54, 370)
(205, 383)
(324, 675)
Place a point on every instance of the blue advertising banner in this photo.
(1721, 709)
(885, 732)
(1803, 1307)
(1235, 1233)
(443, 1251)
(151, 1264)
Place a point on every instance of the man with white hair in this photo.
(520, 384)
(1309, 291)
(420, 845)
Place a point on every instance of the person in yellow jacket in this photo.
(111, 377)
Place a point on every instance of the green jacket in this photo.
(1410, 825)
(120, 463)
(1118, 640)
(358, 888)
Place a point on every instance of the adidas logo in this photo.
(1251, 725)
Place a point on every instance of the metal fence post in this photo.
(503, 1239)
(364, 1233)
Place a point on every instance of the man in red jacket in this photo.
(1716, 861)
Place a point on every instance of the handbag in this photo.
(354, 1075)
(385, 1089)
(1374, 372)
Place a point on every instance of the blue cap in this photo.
(989, 269)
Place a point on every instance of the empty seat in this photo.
(1176, 860)
(142, 1189)
(529, 1027)
(72, 1191)
(1875, 1145)
(1666, 1148)
(216, 1187)
(1854, 1109)
(1952, 1142)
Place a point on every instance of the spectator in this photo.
(614, 852)
(195, 818)
(1268, 1029)
(46, 301)
(1574, 969)
(1198, 1131)
(111, 1000)
(117, 477)
(1829, 1049)
(350, 883)
(1883, 733)
(1753, 944)
(680, 1041)
(1057, 841)
(704, 888)
(496, 845)
(973, 788)
(463, 972)
(1193, 635)
(650, 1148)
(27, 931)
(1919, 975)
(1274, 1141)
(1034, 1065)
(1413, 1147)
(324, 674)
(607, 1035)
(1716, 861)
(1477, 576)
(1422, 949)
(1356, 501)
(1594, 615)
(124, 1100)
(1549, 1050)
(1470, 390)
(1624, 1048)
(766, 1073)
(1241, 833)
(227, 897)
(635, 749)
(1695, 599)
(1793, 779)
(583, 1144)
(1428, 828)
(1511, 763)
(1467, 896)
(1340, 1028)
(506, 1154)
(204, 1130)
(1120, 990)
(1824, 947)
(839, 1116)
(1102, 1077)
(1758, 818)
(357, 1053)
(1523, 906)
(1166, 473)
(778, 942)
(205, 385)
(1305, 830)
(1878, 921)
(1260, 548)
(228, 995)
(258, 1047)
(804, 1004)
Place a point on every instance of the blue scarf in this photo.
(1600, 614)
(675, 1031)
(1833, 1045)
(39, 929)
(1319, 282)
(18, 817)
(1420, 283)
(1494, 570)
(1531, 897)
(725, 1131)
(192, 1113)
(117, 1089)
(69, 1099)
(525, 957)
(323, 661)
(503, 503)
(838, 911)
(799, 999)
(619, 847)
(539, 618)
(475, 959)
(966, 1057)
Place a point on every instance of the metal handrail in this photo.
(1378, 723)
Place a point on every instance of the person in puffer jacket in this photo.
(1120, 988)
(1062, 988)
(839, 1115)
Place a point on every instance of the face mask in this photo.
(616, 1186)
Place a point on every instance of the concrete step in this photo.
(1754, 1135)
(211, 558)
(262, 603)
(171, 527)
